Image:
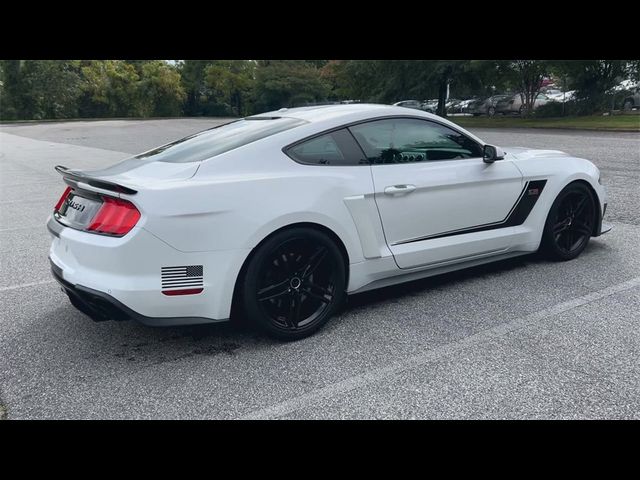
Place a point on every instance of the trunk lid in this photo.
(137, 172)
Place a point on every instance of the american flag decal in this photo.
(183, 280)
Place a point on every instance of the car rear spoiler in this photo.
(75, 177)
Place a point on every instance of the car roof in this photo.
(321, 117)
(317, 113)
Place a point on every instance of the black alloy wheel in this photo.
(570, 223)
(294, 283)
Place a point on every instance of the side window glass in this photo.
(405, 140)
(336, 148)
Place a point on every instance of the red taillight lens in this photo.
(115, 217)
(62, 199)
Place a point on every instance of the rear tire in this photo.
(570, 223)
(294, 283)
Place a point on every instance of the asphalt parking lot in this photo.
(523, 338)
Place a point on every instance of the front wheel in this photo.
(294, 283)
(570, 223)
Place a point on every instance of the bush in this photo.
(555, 109)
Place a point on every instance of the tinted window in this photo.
(335, 148)
(215, 141)
(405, 140)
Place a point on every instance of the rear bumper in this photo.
(100, 307)
(121, 278)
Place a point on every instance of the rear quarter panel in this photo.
(237, 199)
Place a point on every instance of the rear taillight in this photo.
(62, 199)
(115, 217)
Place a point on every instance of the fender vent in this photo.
(182, 280)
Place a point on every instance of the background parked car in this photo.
(485, 106)
(430, 106)
(409, 104)
(453, 105)
(632, 101)
(463, 106)
(560, 96)
(514, 104)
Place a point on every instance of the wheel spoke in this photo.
(568, 240)
(322, 298)
(580, 206)
(560, 226)
(319, 289)
(581, 228)
(318, 292)
(297, 285)
(314, 261)
(285, 262)
(273, 291)
(574, 221)
(294, 311)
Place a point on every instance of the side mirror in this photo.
(492, 153)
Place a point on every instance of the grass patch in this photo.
(623, 123)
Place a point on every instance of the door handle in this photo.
(399, 189)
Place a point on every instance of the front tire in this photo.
(570, 223)
(294, 283)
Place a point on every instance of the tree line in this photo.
(58, 89)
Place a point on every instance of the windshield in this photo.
(217, 140)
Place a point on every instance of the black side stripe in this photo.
(516, 216)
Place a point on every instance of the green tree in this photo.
(111, 90)
(286, 83)
(231, 83)
(160, 91)
(10, 99)
(527, 77)
(446, 74)
(594, 80)
(192, 73)
(51, 89)
(37, 89)
(389, 81)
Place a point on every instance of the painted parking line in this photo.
(379, 374)
(25, 285)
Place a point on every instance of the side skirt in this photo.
(433, 271)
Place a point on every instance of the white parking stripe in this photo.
(28, 227)
(378, 374)
(24, 285)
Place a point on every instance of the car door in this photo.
(437, 199)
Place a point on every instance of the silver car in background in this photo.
(514, 104)
(485, 106)
(409, 104)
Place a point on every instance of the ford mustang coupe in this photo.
(282, 215)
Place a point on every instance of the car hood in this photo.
(136, 172)
(523, 153)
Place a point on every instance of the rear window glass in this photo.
(218, 140)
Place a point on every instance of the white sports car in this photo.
(283, 214)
